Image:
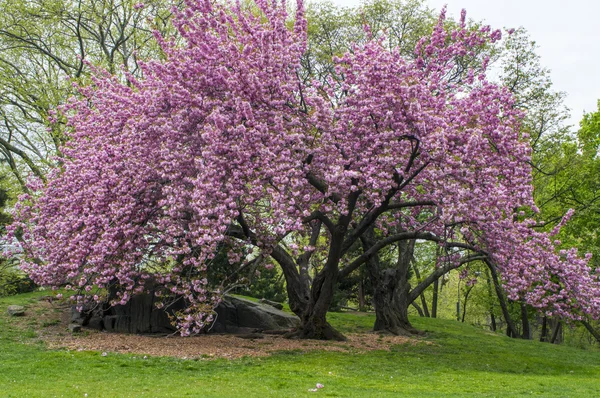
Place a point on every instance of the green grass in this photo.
(459, 360)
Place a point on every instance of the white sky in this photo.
(567, 33)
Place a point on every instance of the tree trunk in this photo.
(423, 301)
(391, 291)
(511, 330)
(434, 300)
(419, 309)
(592, 331)
(390, 298)
(525, 321)
(361, 295)
(556, 332)
(490, 295)
(313, 320)
(544, 334)
(464, 314)
(493, 326)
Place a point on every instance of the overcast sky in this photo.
(567, 33)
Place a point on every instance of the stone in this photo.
(95, 322)
(74, 327)
(275, 304)
(16, 310)
(141, 316)
(237, 315)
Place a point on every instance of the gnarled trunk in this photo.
(314, 324)
(390, 298)
(391, 289)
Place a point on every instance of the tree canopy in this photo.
(225, 141)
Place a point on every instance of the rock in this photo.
(236, 315)
(95, 322)
(140, 315)
(16, 310)
(74, 328)
(89, 310)
(275, 304)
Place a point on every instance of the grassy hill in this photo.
(453, 359)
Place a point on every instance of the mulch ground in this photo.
(52, 320)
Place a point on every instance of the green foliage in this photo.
(251, 279)
(266, 283)
(44, 47)
(13, 282)
(331, 30)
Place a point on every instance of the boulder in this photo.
(275, 304)
(238, 315)
(140, 316)
(16, 310)
(74, 327)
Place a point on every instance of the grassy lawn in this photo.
(459, 361)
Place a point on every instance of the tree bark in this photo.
(556, 332)
(493, 326)
(419, 309)
(544, 334)
(423, 301)
(464, 313)
(525, 321)
(309, 301)
(592, 331)
(361, 295)
(434, 300)
(313, 320)
(511, 330)
(391, 289)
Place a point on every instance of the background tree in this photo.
(45, 46)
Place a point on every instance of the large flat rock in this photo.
(239, 315)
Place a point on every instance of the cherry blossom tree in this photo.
(224, 143)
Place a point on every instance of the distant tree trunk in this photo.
(419, 309)
(493, 326)
(423, 301)
(511, 330)
(361, 295)
(464, 313)
(544, 334)
(525, 321)
(434, 301)
(592, 331)
(556, 332)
